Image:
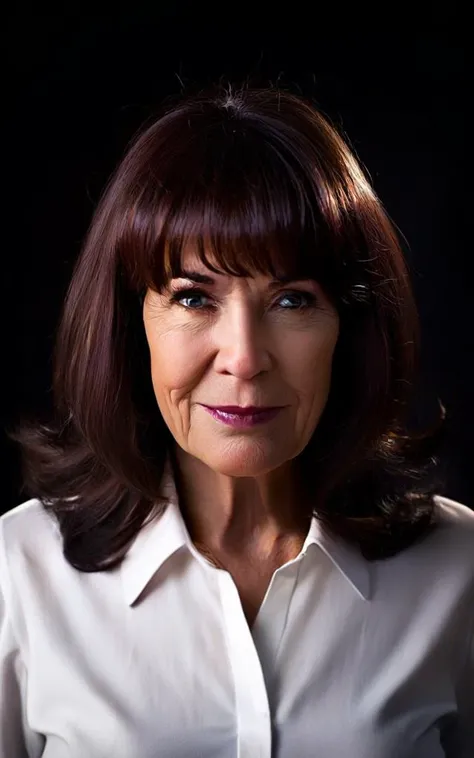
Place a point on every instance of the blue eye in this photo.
(306, 299)
(305, 296)
(187, 295)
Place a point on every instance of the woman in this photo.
(232, 547)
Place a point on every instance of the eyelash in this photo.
(180, 294)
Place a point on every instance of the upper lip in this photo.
(242, 410)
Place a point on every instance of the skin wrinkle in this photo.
(237, 488)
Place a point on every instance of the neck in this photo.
(237, 516)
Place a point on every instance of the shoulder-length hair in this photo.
(260, 182)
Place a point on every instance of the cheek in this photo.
(309, 350)
(176, 361)
(309, 362)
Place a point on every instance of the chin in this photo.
(244, 460)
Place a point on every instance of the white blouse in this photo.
(155, 659)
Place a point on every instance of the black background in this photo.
(81, 80)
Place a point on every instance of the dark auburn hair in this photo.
(259, 181)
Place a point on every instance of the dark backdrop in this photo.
(79, 82)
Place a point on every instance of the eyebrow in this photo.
(199, 278)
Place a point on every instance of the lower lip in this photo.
(243, 421)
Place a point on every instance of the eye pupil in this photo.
(191, 297)
(293, 295)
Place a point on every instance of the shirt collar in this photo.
(166, 534)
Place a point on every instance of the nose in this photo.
(241, 345)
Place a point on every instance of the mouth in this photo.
(243, 417)
(243, 410)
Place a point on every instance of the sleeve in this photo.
(12, 740)
(466, 701)
(458, 737)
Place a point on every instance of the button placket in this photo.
(254, 733)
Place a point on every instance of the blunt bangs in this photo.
(242, 198)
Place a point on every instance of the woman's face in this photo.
(241, 342)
